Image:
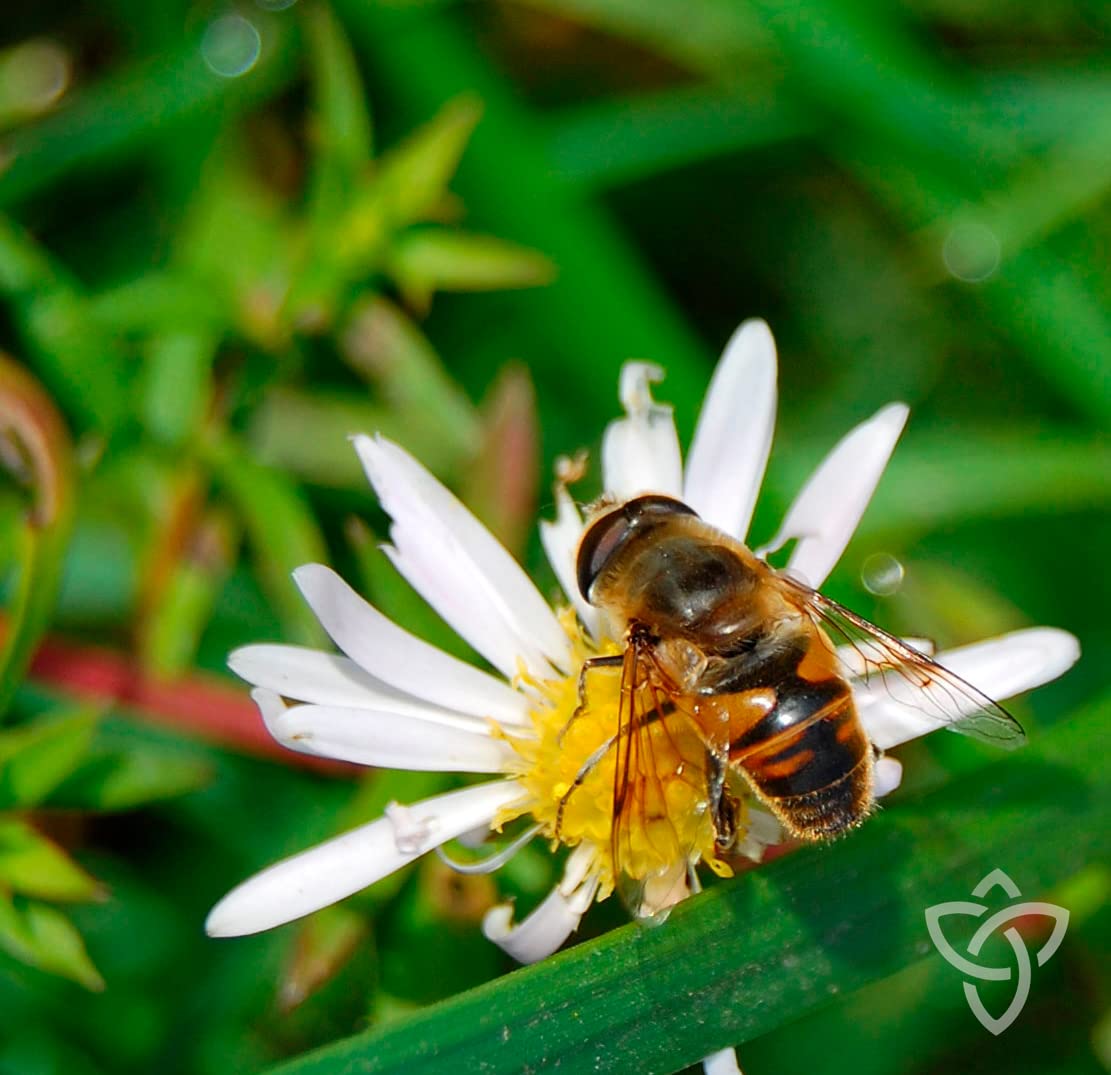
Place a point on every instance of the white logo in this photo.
(935, 914)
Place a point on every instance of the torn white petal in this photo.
(384, 739)
(580, 863)
(640, 452)
(561, 545)
(542, 932)
(421, 506)
(729, 453)
(827, 510)
(400, 659)
(894, 711)
(722, 1063)
(888, 775)
(763, 830)
(341, 866)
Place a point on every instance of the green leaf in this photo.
(238, 240)
(307, 433)
(763, 949)
(709, 35)
(282, 532)
(123, 779)
(426, 260)
(326, 942)
(412, 178)
(410, 183)
(180, 606)
(608, 143)
(937, 479)
(388, 350)
(176, 384)
(169, 302)
(79, 360)
(43, 937)
(40, 455)
(340, 141)
(33, 866)
(36, 758)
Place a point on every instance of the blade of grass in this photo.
(612, 142)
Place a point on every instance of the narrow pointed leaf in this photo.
(36, 758)
(32, 865)
(44, 937)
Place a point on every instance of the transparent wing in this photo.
(887, 666)
(659, 769)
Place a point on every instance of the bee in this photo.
(719, 641)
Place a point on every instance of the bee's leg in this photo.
(723, 804)
(615, 660)
(585, 770)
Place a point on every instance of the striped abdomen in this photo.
(793, 732)
(808, 758)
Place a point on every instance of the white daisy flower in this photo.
(394, 700)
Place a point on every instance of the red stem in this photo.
(199, 706)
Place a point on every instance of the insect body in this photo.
(718, 639)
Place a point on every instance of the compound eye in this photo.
(655, 505)
(608, 533)
(598, 544)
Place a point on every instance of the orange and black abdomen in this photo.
(808, 758)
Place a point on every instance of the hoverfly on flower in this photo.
(608, 725)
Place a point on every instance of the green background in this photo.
(230, 236)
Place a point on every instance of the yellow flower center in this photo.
(568, 770)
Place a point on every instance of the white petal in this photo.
(763, 830)
(388, 740)
(826, 513)
(888, 776)
(334, 870)
(561, 544)
(543, 931)
(722, 1063)
(893, 711)
(420, 505)
(729, 452)
(462, 599)
(400, 659)
(310, 675)
(640, 452)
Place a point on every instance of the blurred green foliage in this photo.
(232, 235)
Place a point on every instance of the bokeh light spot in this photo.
(882, 574)
(971, 252)
(231, 46)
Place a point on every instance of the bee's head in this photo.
(609, 533)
